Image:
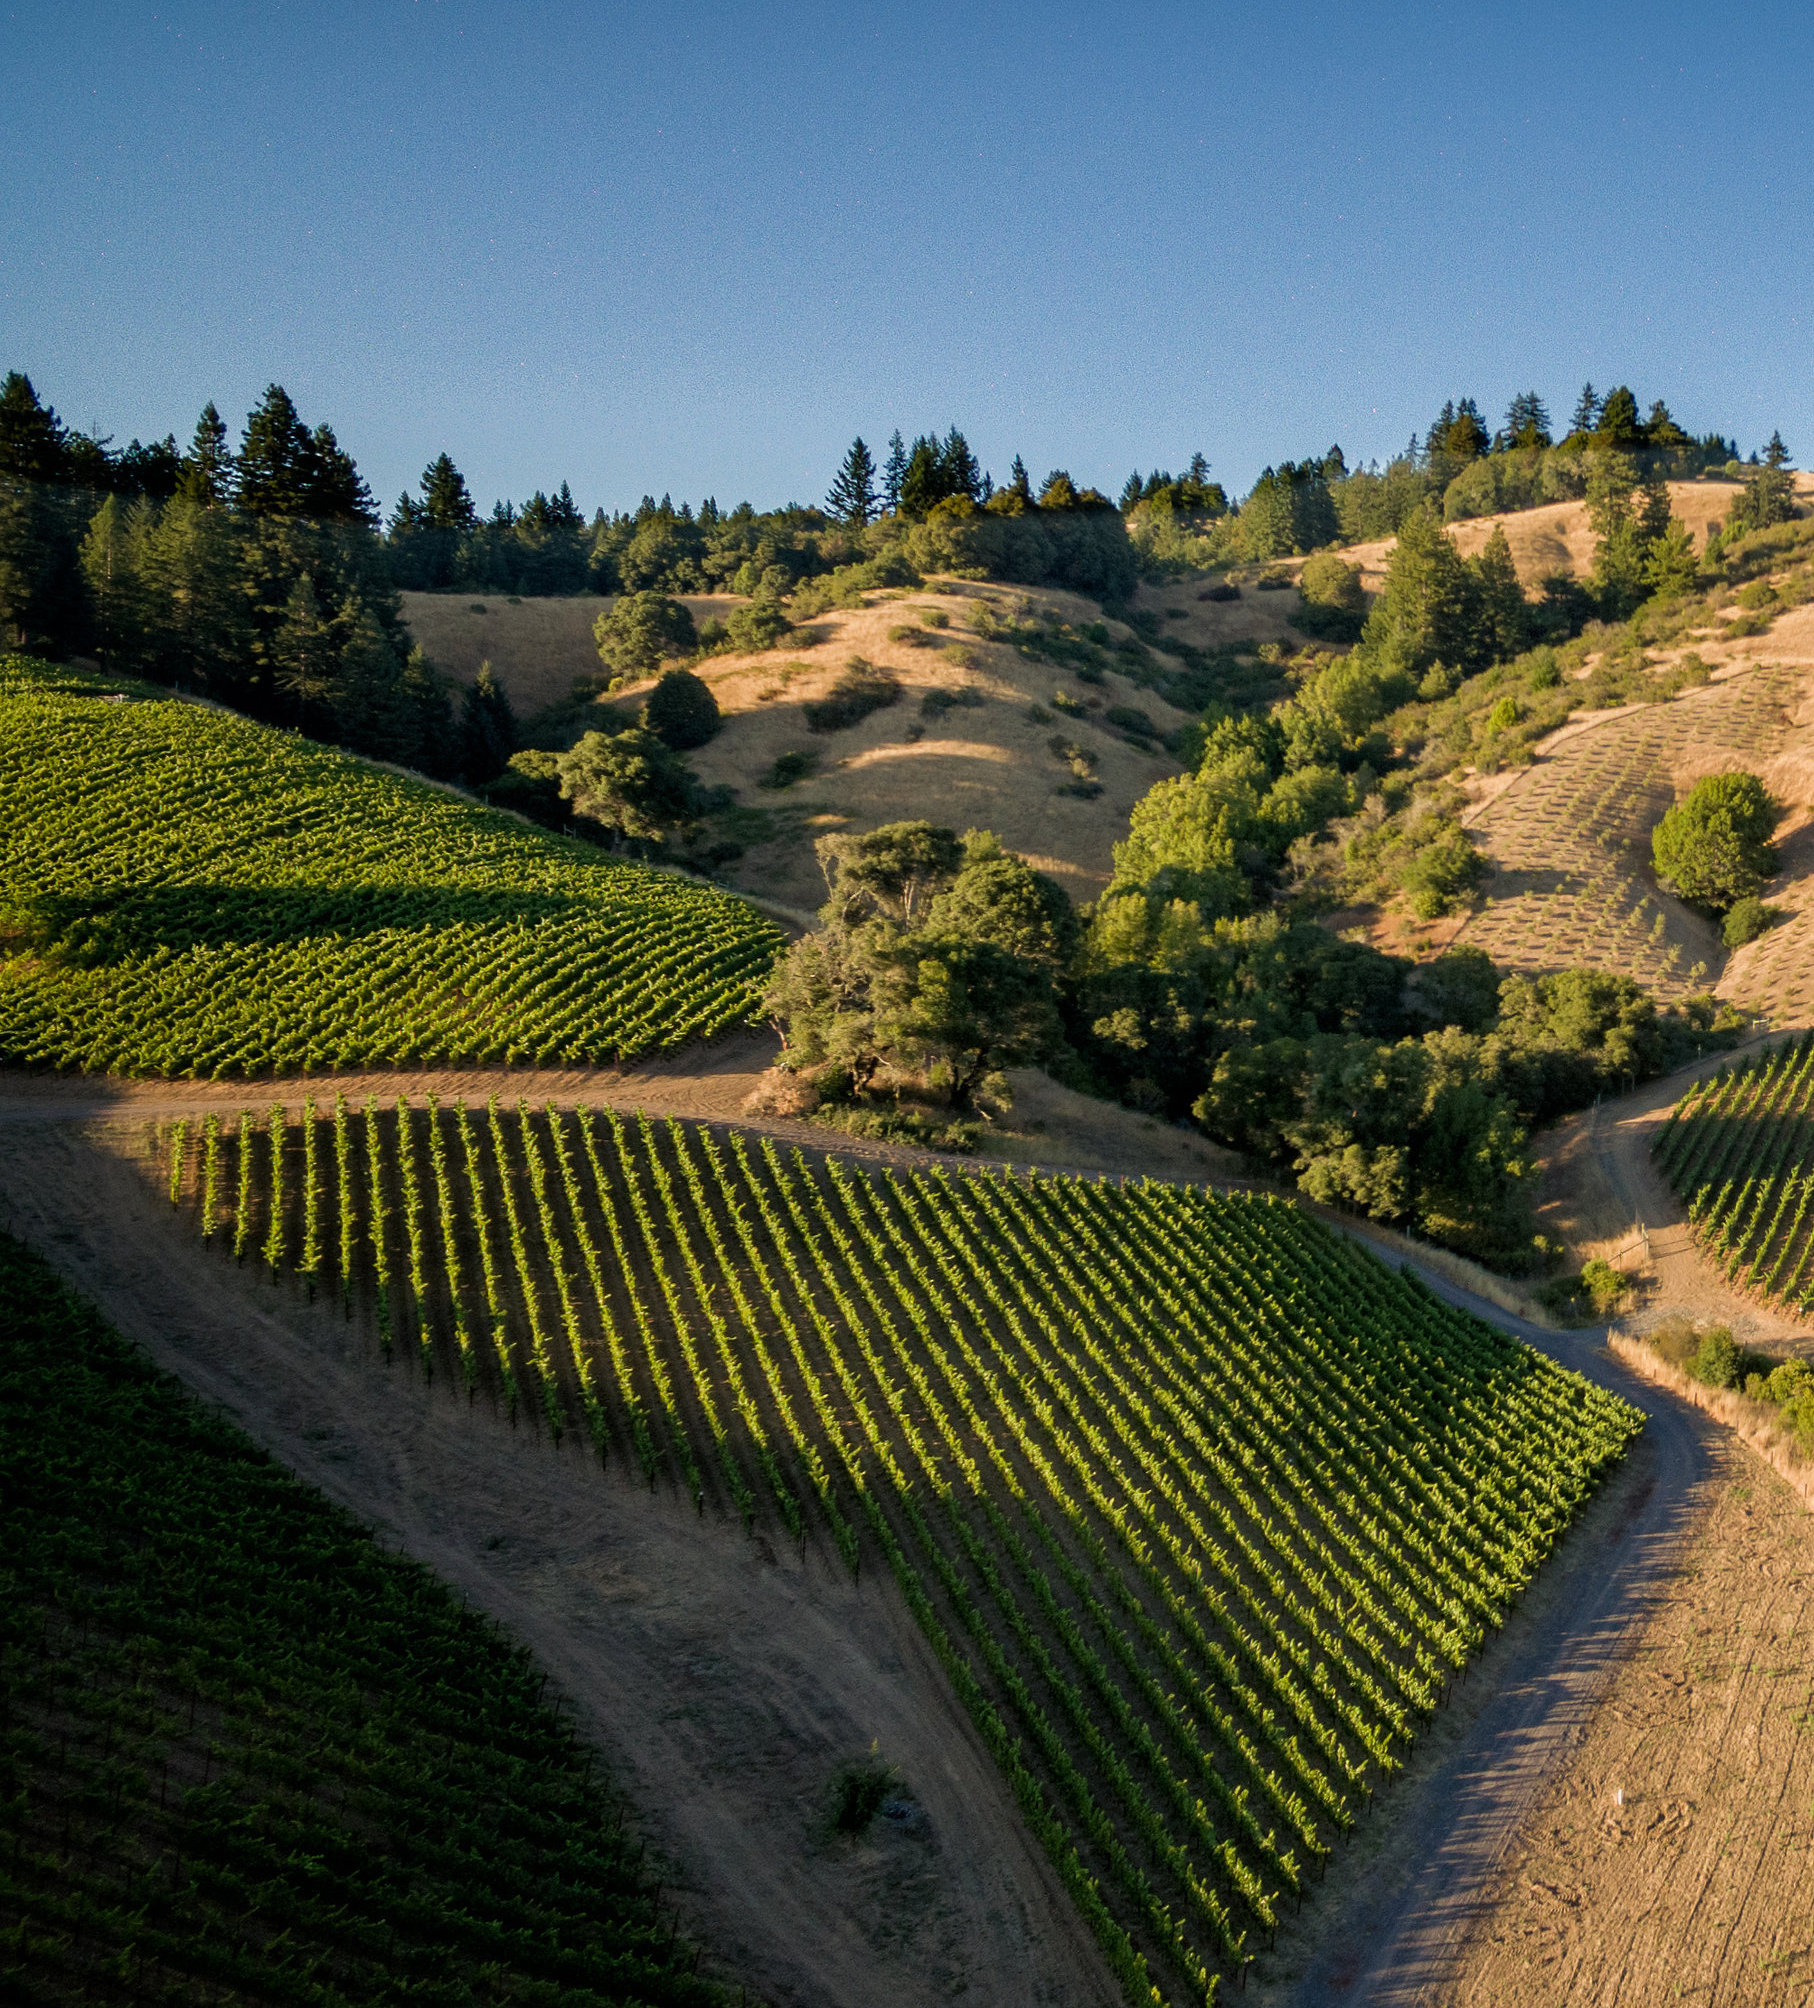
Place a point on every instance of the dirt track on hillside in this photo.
(727, 1679)
(729, 1682)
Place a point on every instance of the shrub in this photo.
(862, 688)
(1713, 849)
(936, 703)
(1334, 606)
(639, 630)
(788, 768)
(1716, 1363)
(1128, 718)
(760, 625)
(1785, 1381)
(1504, 715)
(1221, 592)
(1747, 919)
(681, 710)
(1602, 1286)
(1441, 875)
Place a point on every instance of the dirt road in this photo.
(626, 1597)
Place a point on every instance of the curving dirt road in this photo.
(1390, 1924)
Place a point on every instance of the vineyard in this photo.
(190, 893)
(1199, 1507)
(250, 1757)
(1739, 1150)
(1569, 840)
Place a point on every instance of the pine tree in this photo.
(1619, 424)
(958, 463)
(487, 729)
(372, 710)
(1776, 454)
(852, 498)
(894, 472)
(276, 473)
(34, 445)
(109, 561)
(303, 655)
(334, 490)
(1019, 481)
(923, 484)
(446, 504)
(1526, 422)
(1132, 491)
(208, 471)
(1504, 622)
(1587, 411)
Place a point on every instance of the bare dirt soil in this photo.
(1674, 1861)
(728, 1681)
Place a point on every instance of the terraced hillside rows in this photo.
(1199, 1507)
(1739, 1150)
(191, 893)
(1569, 840)
(251, 1758)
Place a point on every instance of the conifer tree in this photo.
(852, 498)
(276, 459)
(894, 472)
(109, 561)
(487, 729)
(1587, 411)
(958, 465)
(1019, 481)
(1504, 622)
(208, 471)
(303, 656)
(1526, 422)
(34, 445)
(446, 504)
(923, 484)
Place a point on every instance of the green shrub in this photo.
(1716, 1363)
(1129, 718)
(639, 630)
(1746, 920)
(1504, 715)
(1713, 849)
(936, 703)
(788, 768)
(1786, 1381)
(1063, 701)
(1602, 1285)
(862, 688)
(760, 625)
(681, 710)
(1333, 604)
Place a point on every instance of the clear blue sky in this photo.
(697, 248)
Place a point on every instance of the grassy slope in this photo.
(1198, 1505)
(190, 892)
(986, 764)
(248, 1756)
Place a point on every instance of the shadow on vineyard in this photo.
(1199, 1507)
(88, 931)
(249, 1756)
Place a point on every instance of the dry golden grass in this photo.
(987, 766)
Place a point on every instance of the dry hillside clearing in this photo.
(997, 759)
(1570, 839)
(1557, 537)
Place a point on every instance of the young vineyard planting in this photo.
(1199, 1507)
(191, 893)
(1739, 1150)
(250, 1757)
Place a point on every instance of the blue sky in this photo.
(696, 249)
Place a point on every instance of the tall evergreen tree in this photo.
(1619, 426)
(1587, 411)
(116, 597)
(208, 467)
(34, 445)
(1526, 422)
(276, 465)
(923, 484)
(894, 472)
(1019, 481)
(1776, 454)
(962, 475)
(488, 732)
(303, 655)
(852, 498)
(1132, 491)
(1504, 621)
(446, 504)
(335, 491)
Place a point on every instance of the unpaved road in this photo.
(730, 1688)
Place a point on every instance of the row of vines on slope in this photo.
(1739, 1150)
(190, 893)
(250, 1757)
(1199, 1508)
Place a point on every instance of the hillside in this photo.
(252, 1757)
(189, 892)
(1192, 1681)
(986, 759)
